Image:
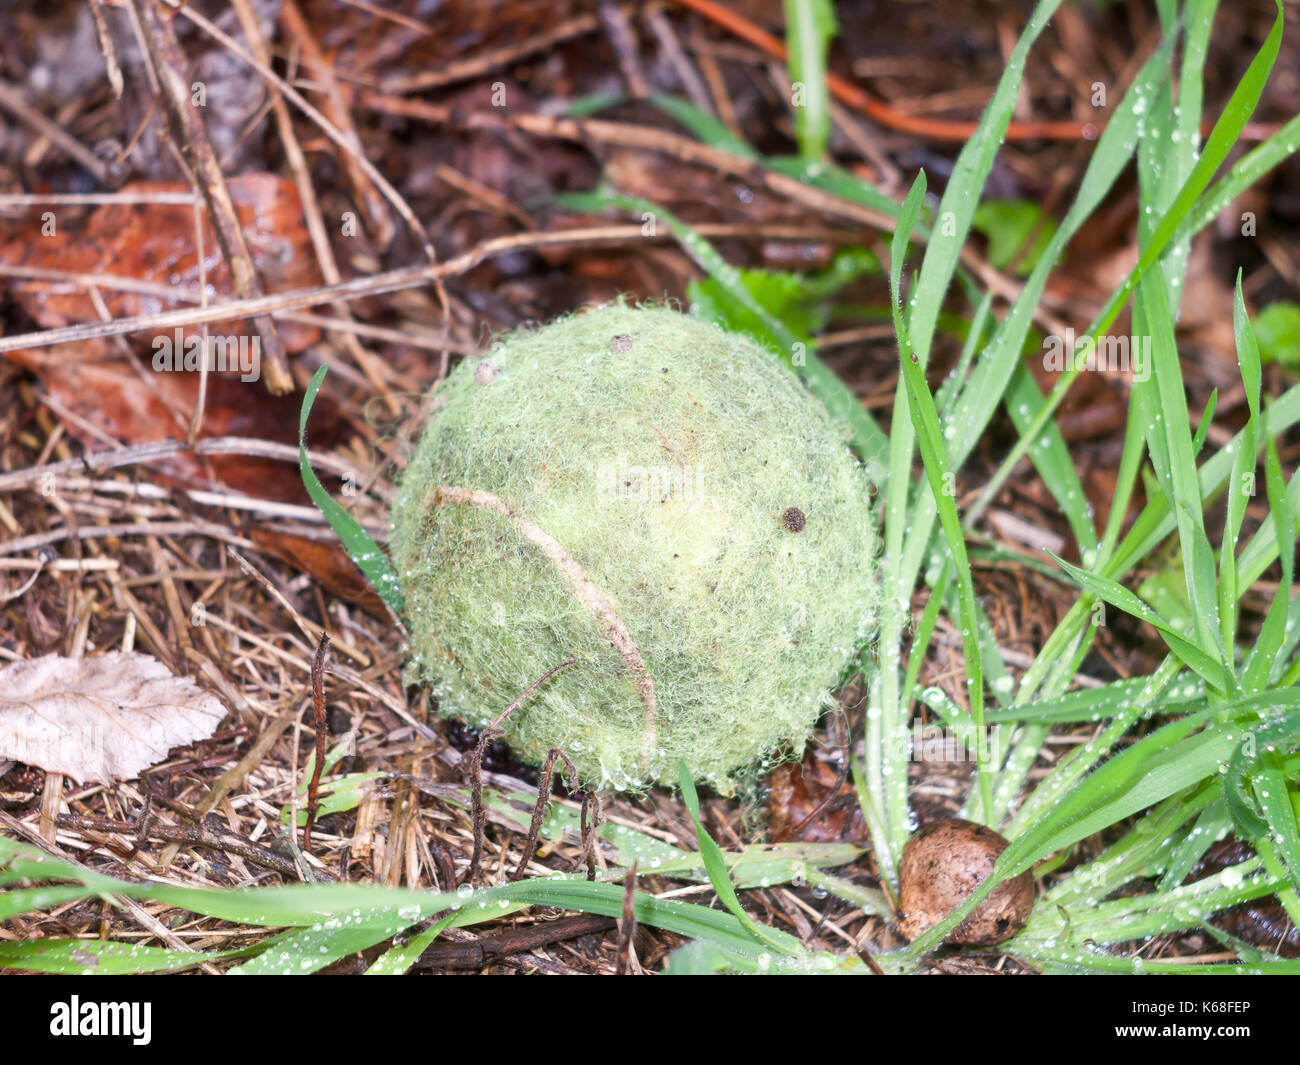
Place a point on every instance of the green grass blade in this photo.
(398, 959)
(1256, 751)
(328, 921)
(97, 957)
(1222, 139)
(1025, 403)
(29, 900)
(924, 630)
(1168, 770)
(1225, 134)
(715, 863)
(308, 950)
(929, 435)
(1170, 444)
(810, 27)
(1272, 633)
(703, 126)
(965, 186)
(1273, 793)
(1241, 484)
(685, 919)
(1191, 654)
(1000, 364)
(1172, 137)
(1259, 663)
(1244, 173)
(1212, 824)
(367, 555)
(1100, 704)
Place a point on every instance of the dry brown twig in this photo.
(372, 367)
(391, 194)
(106, 46)
(477, 813)
(477, 954)
(590, 821)
(484, 63)
(627, 923)
(13, 101)
(375, 285)
(202, 832)
(191, 138)
(200, 403)
(95, 461)
(318, 706)
(543, 801)
(334, 107)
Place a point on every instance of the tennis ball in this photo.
(662, 503)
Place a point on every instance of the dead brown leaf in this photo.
(100, 719)
(326, 563)
(154, 243)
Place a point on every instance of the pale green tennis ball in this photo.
(658, 500)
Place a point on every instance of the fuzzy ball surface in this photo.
(664, 504)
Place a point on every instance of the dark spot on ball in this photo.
(793, 519)
(621, 344)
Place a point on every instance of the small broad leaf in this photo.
(1277, 327)
(1019, 232)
